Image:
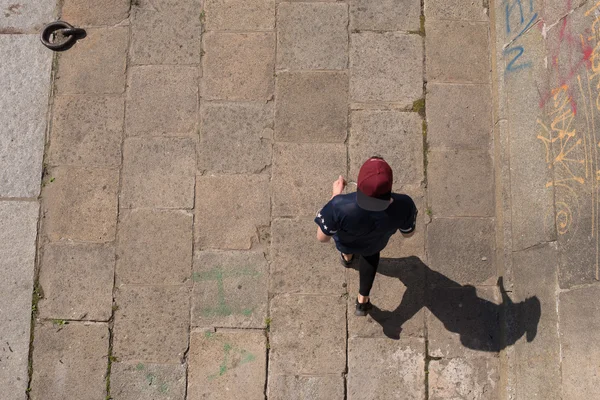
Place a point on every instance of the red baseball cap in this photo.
(374, 185)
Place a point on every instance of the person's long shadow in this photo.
(478, 321)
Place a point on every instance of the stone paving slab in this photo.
(446, 60)
(579, 314)
(311, 107)
(534, 327)
(230, 289)
(165, 32)
(460, 183)
(302, 176)
(240, 221)
(87, 131)
(77, 281)
(17, 261)
(462, 321)
(139, 381)
(69, 361)
(151, 323)
(92, 67)
(456, 10)
(300, 264)
(394, 135)
(399, 297)
(385, 369)
(235, 137)
(386, 67)
(459, 116)
(385, 15)
(475, 378)
(25, 16)
(240, 15)
(158, 173)
(227, 365)
(462, 249)
(162, 100)
(86, 13)
(529, 170)
(295, 387)
(26, 83)
(312, 36)
(80, 204)
(307, 335)
(155, 247)
(238, 66)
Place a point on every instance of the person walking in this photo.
(362, 223)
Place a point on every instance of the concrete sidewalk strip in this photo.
(158, 173)
(302, 176)
(295, 387)
(17, 263)
(70, 361)
(311, 107)
(228, 364)
(91, 67)
(385, 15)
(240, 15)
(474, 378)
(154, 38)
(460, 183)
(154, 247)
(143, 381)
(230, 289)
(77, 281)
(231, 210)
(445, 60)
(394, 135)
(162, 100)
(385, 369)
(235, 137)
(307, 335)
(26, 82)
(579, 314)
(299, 263)
(312, 36)
(80, 204)
(535, 272)
(87, 131)
(386, 67)
(238, 66)
(151, 324)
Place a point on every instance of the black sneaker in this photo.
(362, 309)
(344, 262)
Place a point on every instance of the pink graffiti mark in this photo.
(579, 55)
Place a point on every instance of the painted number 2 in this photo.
(512, 65)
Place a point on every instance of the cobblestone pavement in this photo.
(189, 145)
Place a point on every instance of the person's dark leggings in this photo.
(367, 268)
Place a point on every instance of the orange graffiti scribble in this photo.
(561, 135)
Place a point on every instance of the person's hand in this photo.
(338, 186)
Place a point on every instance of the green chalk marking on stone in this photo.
(248, 357)
(208, 334)
(150, 378)
(139, 367)
(247, 312)
(164, 388)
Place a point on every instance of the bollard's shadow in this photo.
(478, 321)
